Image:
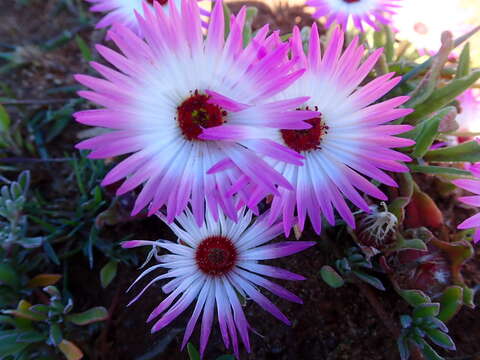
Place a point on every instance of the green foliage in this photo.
(193, 354)
(352, 268)
(34, 329)
(13, 222)
(424, 324)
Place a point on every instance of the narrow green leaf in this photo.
(192, 352)
(428, 132)
(403, 348)
(108, 273)
(442, 97)
(441, 339)
(4, 119)
(331, 277)
(92, 315)
(463, 67)
(426, 310)
(465, 152)
(414, 297)
(415, 244)
(31, 337)
(8, 275)
(369, 279)
(227, 15)
(247, 30)
(468, 295)
(439, 170)
(226, 357)
(406, 321)
(84, 49)
(55, 334)
(428, 351)
(450, 302)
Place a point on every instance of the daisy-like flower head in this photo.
(174, 85)
(123, 11)
(212, 265)
(347, 142)
(370, 12)
(415, 24)
(468, 118)
(474, 221)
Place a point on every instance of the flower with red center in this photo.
(215, 265)
(123, 11)
(474, 221)
(361, 11)
(171, 87)
(349, 140)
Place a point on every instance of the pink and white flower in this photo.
(212, 265)
(350, 140)
(123, 11)
(474, 221)
(371, 12)
(168, 89)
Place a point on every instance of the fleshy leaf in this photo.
(331, 277)
(95, 314)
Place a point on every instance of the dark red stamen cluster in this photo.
(161, 2)
(195, 114)
(216, 255)
(351, 1)
(306, 140)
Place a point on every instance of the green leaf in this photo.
(70, 350)
(55, 334)
(9, 345)
(428, 351)
(441, 339)
(92, 315)
(426, 310)
(227, 15)
(247, 30)
(108, 273)
(442, 97)
(50, 253)
(463, 67)
(26, 314)
(450, 302)
(192, 352)
(468, 295)
(84, 49)
(416, 244)
(4, 120)
(369, 279)
(414, 297)
(439, 170)
(8, 275)
(31, 337)
(406, 321)
(331, 277)
(403, 348)
(465, 152)
(428, 132)
(226, 357)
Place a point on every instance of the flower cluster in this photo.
(210, 126)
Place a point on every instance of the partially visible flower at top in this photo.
(371, 12)
(474, 221)
(216, 265)
(468, 118)
(171, 87)
(123, 11)
(415, 23)
(347, 141)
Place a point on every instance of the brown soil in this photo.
(331, 325)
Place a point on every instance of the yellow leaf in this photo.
(43, 280)
(70, 350)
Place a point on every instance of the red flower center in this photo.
(195, 114)
(351, 1)
(216, 255)
(306, 140)
(161, 2)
